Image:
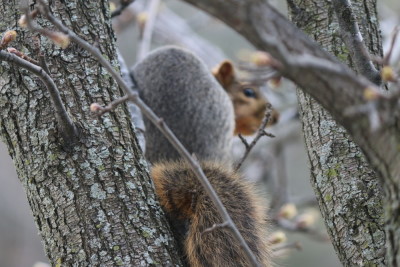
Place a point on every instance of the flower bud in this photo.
(277, 238)
(305, 220)
(95, 107)
(23, 22)
(287, 211)
(142, 19)
(370, 93)
(388, 74)
(12, 50)
(261, 58)
(59, 39)
(8, 37)
(113, 7)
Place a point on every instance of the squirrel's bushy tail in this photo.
(185, 200)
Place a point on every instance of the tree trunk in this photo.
(347, 189)
(93, 201)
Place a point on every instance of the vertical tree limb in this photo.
(353, 39)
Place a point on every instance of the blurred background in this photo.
(279, 163)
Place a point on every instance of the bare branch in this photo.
(145, 42)
(216, 226)
(99, 110)
(43, 63)
(67, 128)
(295, 245)
(388, 55)
(352, 37)
(260, 133)
(295, 9)
(123, 4)
(18, 53)
(244, 141)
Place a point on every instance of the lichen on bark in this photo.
(93, 202)
(347, 189)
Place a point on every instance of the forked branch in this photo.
(67, 128)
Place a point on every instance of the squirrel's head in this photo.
(248, 101)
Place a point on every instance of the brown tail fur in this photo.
(185, 200)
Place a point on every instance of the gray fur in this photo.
(181, 90)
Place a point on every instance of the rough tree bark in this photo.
(347, 189)
(92, 201)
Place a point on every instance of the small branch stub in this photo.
(216, 226)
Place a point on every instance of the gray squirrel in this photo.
(203, 111)
(193, 103)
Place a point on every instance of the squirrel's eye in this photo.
(249, 92)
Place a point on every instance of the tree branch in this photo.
(388, 55)
(66, 126)
(352, 37)
(122, 6)
(145, 42)
(260, 133)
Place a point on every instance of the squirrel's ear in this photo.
(224, 73)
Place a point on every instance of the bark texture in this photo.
(347, 189)
(93, 201)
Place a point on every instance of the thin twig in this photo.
(351, 36)
(18, 53)
(260, 133)
(388, 55)
(111, 106)
(66, 126)
(145, 42)
(43, 63)
(214, 227)
(244, 141)
(294, 8)
(123, 4)
(160, 125)
(295, 245)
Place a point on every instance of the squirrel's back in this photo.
(182, 91)
(187, 204)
